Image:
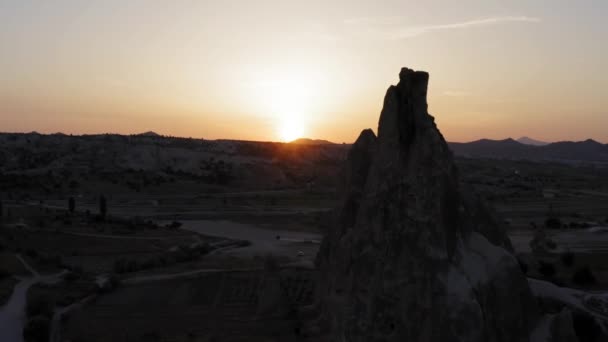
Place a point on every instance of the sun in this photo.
(290, 128)
(290, 105)
(289, 98)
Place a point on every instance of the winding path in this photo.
(12, 315)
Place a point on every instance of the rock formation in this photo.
(413, 256)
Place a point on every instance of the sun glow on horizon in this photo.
(291, 95)
(290, 129)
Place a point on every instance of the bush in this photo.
(567, 258)
(32, 253)
(39, 305)
(4, 273)
(71, 277)
(112, 283)
(271, 263)
(553, 223)
(150, 263)
(583, 277)
(546, 269)
(585, 327)
(50, 259)
(175, 225)
(123, 265)
(243, 243)
(523, 266)
(37, 329)
(120, 266)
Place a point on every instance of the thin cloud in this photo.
(398, 32)
(456, 93)
(386, 20)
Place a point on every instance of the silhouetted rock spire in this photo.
(412, 256)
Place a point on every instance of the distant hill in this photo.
(148, 134)
(533, 142)
(306, 141)
(565, 151)
(29, 150)
(146, 160)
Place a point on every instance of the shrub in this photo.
(203, 248)
(132, 266)
(71, 204)
(243, 243)
(567, 258)
(4, 273)
(112, 283)
(150, 263)
(123, 265)
(71, 277)
(583, 277)
(37, 329)
(175, 225)
(585, 327)
(103, 206)
(271, 263)
(120, 266)
(553, 223)
(39, 305)
(75, 268)
(523, 266)
(32, 253)
(546, 269)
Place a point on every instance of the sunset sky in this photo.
(279, 69)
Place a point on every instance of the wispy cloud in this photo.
(456, 93)
(391, 28)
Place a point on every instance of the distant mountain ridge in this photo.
(529, 141)
(563, 151)
(572, 152)
(148, 134)
(307, 141)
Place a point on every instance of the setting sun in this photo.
(290, 129)
(290, 96)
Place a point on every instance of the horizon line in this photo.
(159, 135)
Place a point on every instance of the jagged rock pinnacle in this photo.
(412, 256)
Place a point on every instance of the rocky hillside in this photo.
(49, 162)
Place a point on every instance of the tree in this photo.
(546, 269)
(553, 223)
(583, 277)
(71, 204)
(39, 305)
(37, 329)
(567, 258)
(103, 206)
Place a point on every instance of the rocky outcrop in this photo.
(412, 256)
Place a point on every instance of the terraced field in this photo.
(226, 306)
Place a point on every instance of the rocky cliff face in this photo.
(413, 256)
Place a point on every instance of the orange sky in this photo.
(272, 70)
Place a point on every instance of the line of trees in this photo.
(103, 206)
